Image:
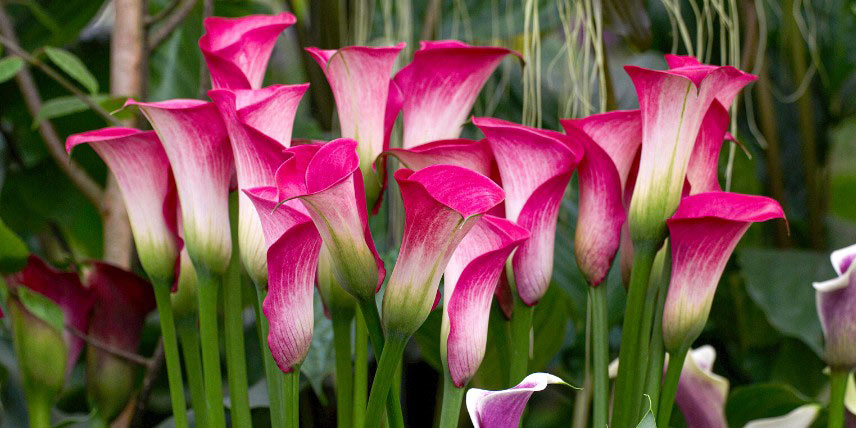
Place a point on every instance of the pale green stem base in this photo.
(170, 352)
(38, 411)
(838, 380)
(582, 403)
(189, 339)
(291, 392)
(393, 401)
(600, 355)
(236, 362)
(654, 375)
(209, 286)
(273, 376)
(670, 387)
(344, 370)
(361, 370)
(452, 399)
(384, 378)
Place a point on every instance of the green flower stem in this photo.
(291, 392)
(344, 370)
(452, 399)
(99, 422)
(189, 339)
(600, 355)
(670, 386)
(373, 325)
(654, 374)
(361, 370)
(236, 362)
(838, 380)
(39, 410)
(273, 376)
(209, 285)
(170, 352)
(383, 380)
(521, 327)
(627, 401)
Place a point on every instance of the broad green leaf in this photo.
(13, 251)
(549, 323)
(64, 106)
(760, 401)
(779, 282)
(9, 67)
(428, 339)
(73, 66)
(321, 360)
(42, 308)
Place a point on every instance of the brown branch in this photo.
(148, 383)
(121, 353)
(161, 33)
(87, 186)
(154, 19)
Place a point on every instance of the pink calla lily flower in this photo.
(293, 245)
(237, 50)
(701, 393)
(142, 171)
(703, 233)
(328, 181)
(196, 143)
(442, 203)
(470, 154)
(535, 167)
(672, 103)
(259, 123)
(441, 84)
(470, 280)
(836, 305)
(503, 409)
(702, 171)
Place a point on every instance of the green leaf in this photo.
(320, 361)
(42, 308)
(41, 15)
(13, 251)
(73, 66)
(428, 339)
(648, 420)
(759, 401)
(64, 106)
(779, 282)
(549, 323)
(9, 67)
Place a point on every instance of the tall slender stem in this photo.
(626, 400)
(452, 398)
(670, 386)
(291, 392)
(372, 322)
(189, 339)
(384, 378)
(344, 370)
(361, 370)
(600, 355)
(273, 376)
(654, 374)
(582, 402)
(521, 326)
(236, 362)
(838, 380)
(38, 410)
(170, 351)
(209, 285)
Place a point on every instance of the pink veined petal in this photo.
(64, 289)
(196, 143)
(470, 154)
(601, 210)
(535, 167)
(701, 393)
(237, 50)
(440, 203)
(247, 114)
(703, 233)
(292, 257)
(142, 171)
(676, 61)
(122, 302)
(329, 184)
(441, 84)
(704, 161)
(672, 104)
(470, 281)
(503, 409)
(836, 306)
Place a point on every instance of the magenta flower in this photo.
(259, 123)
(469, 283)
(703, 233)
(673, 103)
(142, 171)
(441, 204)
(328, 181)
(293, 245)
(197, 146)
(535, 166)
(470, 154)
(503, 409)
(703, 167)
(441, 85)
(237, 50)
(836, 305)
(701, 393)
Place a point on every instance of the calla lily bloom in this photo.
(122, 302)
(259, 124)
(441, 204)
(470, 280)
(328, 181)
(503, 409)
(535, 167)
(197, 146)
(672, 103)
(701, 393)
(360, 79)
(703, 233)
(836, 305)
(237, 50)
(703, 167)
(801, 417)
(470, 154)
(293, 245)
(441, 85)
(142, 170)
